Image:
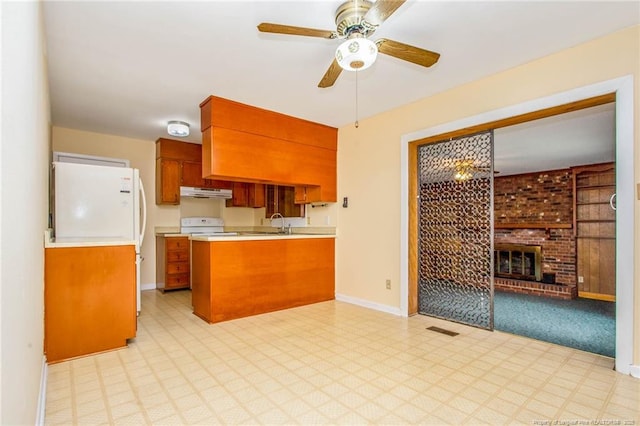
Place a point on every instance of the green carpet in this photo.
(586, 324)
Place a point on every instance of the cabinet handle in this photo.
(611, 202)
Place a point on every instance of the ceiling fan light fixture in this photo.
(178, 129)
(357, 53)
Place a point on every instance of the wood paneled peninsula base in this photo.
(239, 276)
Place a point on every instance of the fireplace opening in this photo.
(520, 262)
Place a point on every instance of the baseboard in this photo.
(148, 286)
(368, 304)
(42, 397)
(634, 370)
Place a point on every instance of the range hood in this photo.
(189, 191)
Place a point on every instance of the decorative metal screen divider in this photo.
(455, 230)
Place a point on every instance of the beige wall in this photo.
(23, 210)
(369, 161)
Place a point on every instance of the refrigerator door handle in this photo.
(144, 213)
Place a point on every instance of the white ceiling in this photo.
(126, 68)
(562, 141)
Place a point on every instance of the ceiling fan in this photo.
(356, 20)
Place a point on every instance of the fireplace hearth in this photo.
(519, 262)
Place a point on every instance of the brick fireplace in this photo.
(536, 210)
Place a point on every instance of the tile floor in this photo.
(333, 363)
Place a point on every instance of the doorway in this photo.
(555, 229)
(620, 90)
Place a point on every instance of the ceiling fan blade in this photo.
(331, 75)
(267, 27)
(406, 52)
(381, 10)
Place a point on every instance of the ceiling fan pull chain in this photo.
(356, 123)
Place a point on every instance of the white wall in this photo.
(24, 156)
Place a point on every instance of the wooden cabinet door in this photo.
(192, 174)
(89, 300)
(167, 181)
(307, 194)
(597, 268)
(256, 195)
(240, 196)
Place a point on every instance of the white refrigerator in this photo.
(99, 204)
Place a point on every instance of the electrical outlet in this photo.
(388, 284)
(308, 220)
(580, 279)
(327, 220)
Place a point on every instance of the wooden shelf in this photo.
(593, 203)
(595, 237)
(532, 226)
(596, 220)
(604, 185)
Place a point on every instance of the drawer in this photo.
(177, 243)
(178, 256)
(177, 280)
(178, 268)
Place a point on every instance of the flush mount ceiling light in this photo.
(357, 53)
(179, 129)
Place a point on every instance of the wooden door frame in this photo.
(491, 125)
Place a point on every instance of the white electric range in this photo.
(200, 225)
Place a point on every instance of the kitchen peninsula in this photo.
(250, 274)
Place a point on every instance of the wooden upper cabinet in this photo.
(224, 113)
(246, 195)
(180, 164)
(244, 143)
(178, 150)
(240, 195)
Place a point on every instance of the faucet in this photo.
(282, 231)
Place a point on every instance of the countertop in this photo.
(167, 231)
(249, 236)
(50, 242)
